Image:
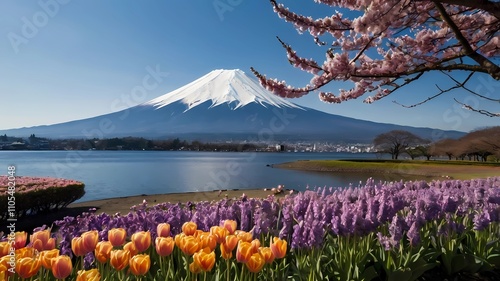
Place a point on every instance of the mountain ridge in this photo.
(224, 104)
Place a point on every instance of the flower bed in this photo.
(37, 194)
(391, 231)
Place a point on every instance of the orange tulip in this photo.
(8, 264)
(164, 246)
(208, 240)
(89, 240)
(267, 254)
(61, 267)
(278, 247)
(230, 225)
(220, 233)
(20, 239)
(103, 251)
(231, 242)
(255, 245)
(119, 259)
(244, 236)
(140, 264)
(77, 246)
(255, 263)
(178, 239)
(244, 251)
(26, 252)
(41, 240)
(4, 248)
(47, 256)
(28, 267)
(189, 228)
(141, 240)
(225, 252)
(88, 275)
(117, 236)
(163, 230)
(190, 245)
(205, 259)
(131, 248)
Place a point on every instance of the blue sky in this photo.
(63, 60)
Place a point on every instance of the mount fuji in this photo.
(223, 105)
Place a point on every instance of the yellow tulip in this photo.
(88, 275)
(117, 236)
(140, 264)
(141, 240)
(4, 248)
(62, 267)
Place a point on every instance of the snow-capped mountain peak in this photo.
(222, 87)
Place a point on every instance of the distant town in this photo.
(134, 143)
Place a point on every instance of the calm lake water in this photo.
(109, 174)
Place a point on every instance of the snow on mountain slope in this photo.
(222, 86)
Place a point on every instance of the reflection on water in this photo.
(124, 173)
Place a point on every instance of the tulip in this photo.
(205, 259)
(6, 264)
(189, 228)
(164, 246)
(255, 245)
(194, 268)
(230, 225)
(103, 251)
(255, 263)
(41, 240)
(231, 242)
(219, 232)
(47, 256)
(244, 251)
(77, 246)
(117, 236)
(225, 252)
(163, 230)
(244, 236)
(26, 252)
(88, 275)
(208, 240)
(20, 239)
(190, 245)
(140, 264)
(278, 247)
(61, 267)
(141, 240)
(131, 248)
(89, 240)
(4, 248)
(178, 239)
(119, 259)
(267, 254)
(28, 267)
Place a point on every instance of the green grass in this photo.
(435, 169)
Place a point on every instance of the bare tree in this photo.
(396, 142)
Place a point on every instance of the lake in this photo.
(108, 174)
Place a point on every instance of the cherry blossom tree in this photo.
(384, 45)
